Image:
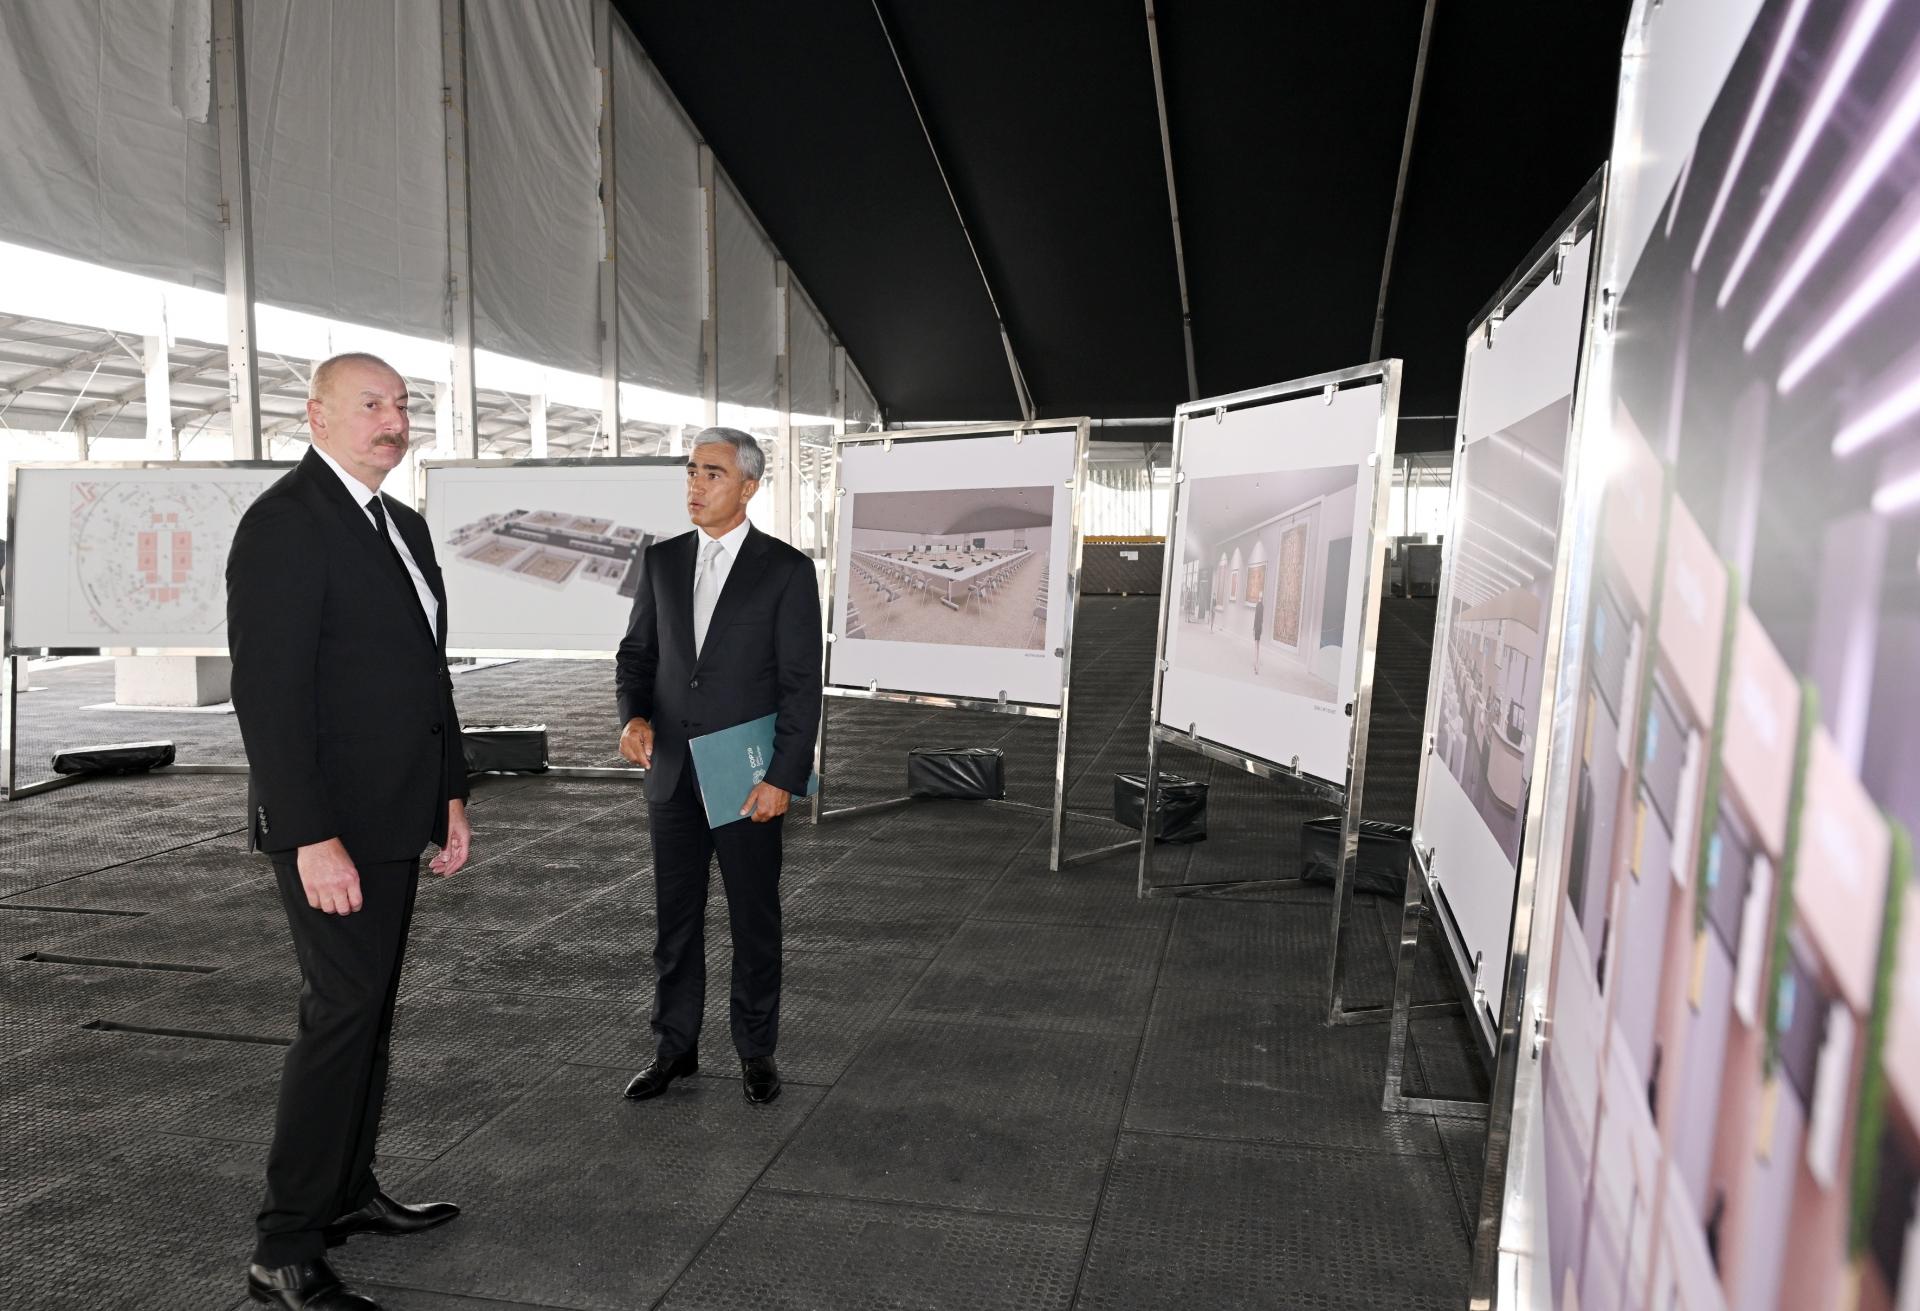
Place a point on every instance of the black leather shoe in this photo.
(385, 1216)
(761, 1079)
(653, 1080)
(307, 1286)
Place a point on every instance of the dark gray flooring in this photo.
(1005, 1088)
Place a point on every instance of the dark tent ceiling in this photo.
(1286, 122)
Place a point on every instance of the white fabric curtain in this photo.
(107, 145)
(748, 327)
(533, 140)
(109, 154)
(662, 276)
(349, 159)
(863, 412)
(810, 359)
(1119, 500)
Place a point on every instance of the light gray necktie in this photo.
(706, 591)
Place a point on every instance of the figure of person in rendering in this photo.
(725, 629)
(337, 623)
(1259, 624)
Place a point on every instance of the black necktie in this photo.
(379, 513)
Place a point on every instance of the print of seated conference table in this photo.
(940, 573)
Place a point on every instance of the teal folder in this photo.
(727, 764)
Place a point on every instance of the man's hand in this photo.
(327, 873)
(636, 742)
(453, 854)
(765, 802)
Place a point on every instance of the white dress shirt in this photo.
(730, 543)
(429, 603)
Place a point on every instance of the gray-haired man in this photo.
(725, 629)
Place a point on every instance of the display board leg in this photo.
(1346, 874)
(9, 731)
(619, 772)
(817, 806)
(1060, 777)
(11, 670)
(1145, 888)
(865, 808)
(1413, 911)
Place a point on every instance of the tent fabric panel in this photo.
(749, 334)
(348, 155)
(863, 411)
(809, 360)
(108, 150)
(662, 273)
(533, 141)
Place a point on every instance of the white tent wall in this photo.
(863, 412)
(107, 145)
(109, 156)
(810, 355)
(749, 325)
(347, 146)
(533, 147)
(748, 330)
(662, 289)
(810, 400)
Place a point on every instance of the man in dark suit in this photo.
(725, 629)
(336, 619)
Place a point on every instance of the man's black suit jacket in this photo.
(342, 693)
(761, 656)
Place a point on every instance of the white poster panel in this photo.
(133, 556)
(952, 565)
(1517, 411)
(1729, 791)
(545, 556)
(1270, 558)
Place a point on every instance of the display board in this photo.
(1724, 945)
(104, 556)
(544, 555)
(953, 565)
(1263, 610)
(1483, 704)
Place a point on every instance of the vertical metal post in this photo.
(537, 427)
(1060, 779)
(162, 437)
(609, 232)
(839, 390)
(1169, 569)
(1173, 201)
(442, 419)
(710, 316)
(1400, 185)
(10, 730)
(463, 410)
(236, 214)
(1152, 780)
(1349, 869)
(826, 617)
(789, 457)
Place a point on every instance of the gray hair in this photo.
(323, 371)
(752, 460)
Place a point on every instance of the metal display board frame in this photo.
(631, 774)
(11, 789)
(1347, 794)
(1077, 487)
(1521, 1032)
(1424, 899)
